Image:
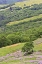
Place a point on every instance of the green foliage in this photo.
(22, 31)
(4, 41)
(15, 38)
(18, 13)
(24, 36)
(28, 47)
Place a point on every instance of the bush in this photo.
(28, 47)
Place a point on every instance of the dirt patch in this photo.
(13, 45)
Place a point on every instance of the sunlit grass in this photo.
(38, 47)
(10, 49)
(28, 2)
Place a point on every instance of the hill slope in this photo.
(20, 23)
(9, 1)
(17, 13)
(28, 2)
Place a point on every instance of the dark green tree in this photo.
(4, 41)
(28, 47)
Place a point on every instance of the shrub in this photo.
(28, 47)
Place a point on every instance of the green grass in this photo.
(14, 63)
(38, 47)
(10, 49)
(10, 62)
(34, 58)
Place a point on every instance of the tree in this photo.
(4, 41)
(11, 9)
(28, 47)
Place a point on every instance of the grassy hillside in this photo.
(10, 49)
(13, 48)
(28, 3)
(7, 54)
(25, 20)
(20, 23)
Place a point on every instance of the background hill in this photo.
(9, 1)
(20, 21)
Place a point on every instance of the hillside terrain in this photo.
(9, 1)
(20, 23)
(17, 57)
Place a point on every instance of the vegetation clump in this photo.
(28, 48)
